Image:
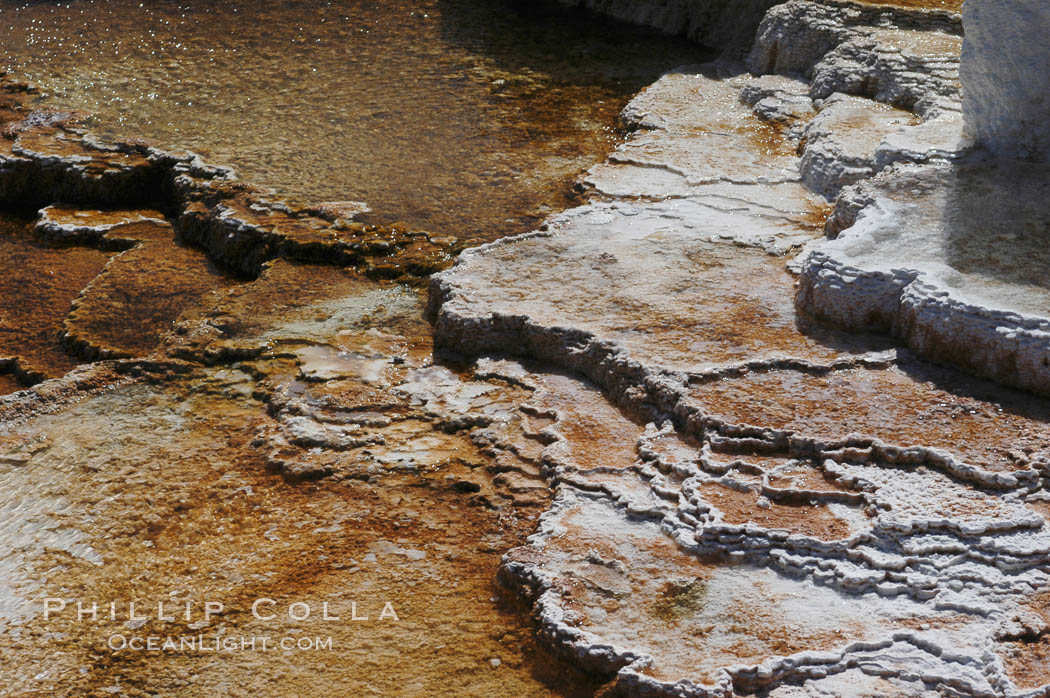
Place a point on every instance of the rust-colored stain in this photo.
(1027, 663)
(211, 523)
(742, 507)
(767, 139)
(175, 476)
(135, 301)
(36, 289)
(597, 433)
(1027, 658)
(982, 424)
(803, 477)
(763, 634)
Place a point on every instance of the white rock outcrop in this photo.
(779, 507)
(1004, 74)
(775, 508)
(907, 58)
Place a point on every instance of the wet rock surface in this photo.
(120, 277)
(625, 424)
(282, 435)
(38, 286)
(260, 417)
(185, 510)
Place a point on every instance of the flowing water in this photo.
(463, 117)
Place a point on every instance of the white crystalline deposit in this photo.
(906, 261)
(949, 258)
(909, 59)
(1006, 57)
(778, 508)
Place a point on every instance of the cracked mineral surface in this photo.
(763, 414)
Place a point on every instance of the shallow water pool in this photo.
(456, 116)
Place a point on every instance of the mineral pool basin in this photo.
(464, 117)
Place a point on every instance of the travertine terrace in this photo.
(848, 519)
(764, 415)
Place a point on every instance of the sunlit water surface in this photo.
(462, 116)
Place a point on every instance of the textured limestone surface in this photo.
(1005, 59)
(944, 257)
(132, 237)
(163, 487)
(283, 435)
(907, 58)
(805, 511)
(212, 396)
(842, 140)
(696, 148)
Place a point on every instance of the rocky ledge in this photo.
(46, 158)
(948, 257)
(142, 235)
